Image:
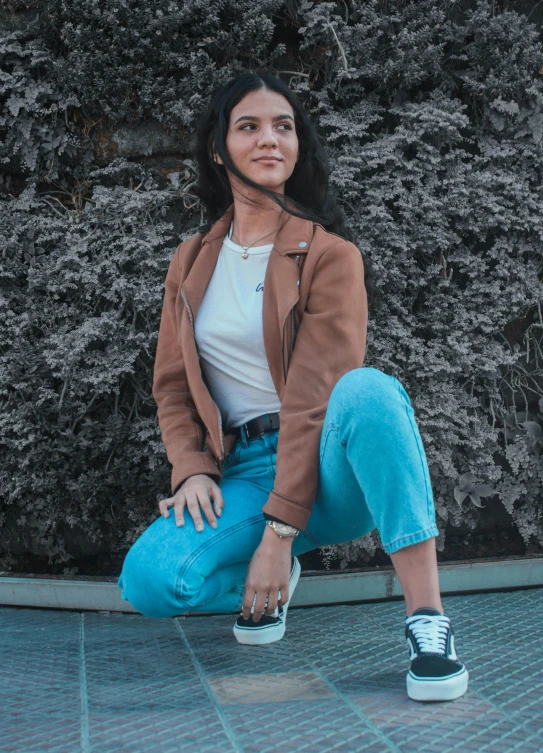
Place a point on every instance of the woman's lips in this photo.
(266, 161)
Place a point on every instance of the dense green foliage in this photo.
(433, 120)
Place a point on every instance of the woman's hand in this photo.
(269, 572)
(196, 493)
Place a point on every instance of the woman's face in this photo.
(262, 124)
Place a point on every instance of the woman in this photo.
(265, 466)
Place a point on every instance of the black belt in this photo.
(257, 426)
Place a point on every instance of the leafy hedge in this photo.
(433, 117)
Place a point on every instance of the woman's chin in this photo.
(271, 182)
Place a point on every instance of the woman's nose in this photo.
(267, 137)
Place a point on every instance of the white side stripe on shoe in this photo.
(411, 648)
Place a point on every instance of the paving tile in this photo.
(469, 721)
(112, 683)
(144, 692)
(27, 732)
(275, 687)
(316, 725)
(40, 681)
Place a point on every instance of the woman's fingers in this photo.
(179, 507)
(218, 501)
(197, 499)
(163, 506)
(259, 605)
(194, 509)
(208, 512)
(178, 504)
(259, 597)
(248, 599)
(283, 596)
(272, 603)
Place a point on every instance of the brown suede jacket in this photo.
(314, 296)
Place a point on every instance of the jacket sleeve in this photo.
(271, 517)
(180, 424)
(331, 341)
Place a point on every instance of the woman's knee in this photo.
(147, 587)
(363, 386)
(364, 377)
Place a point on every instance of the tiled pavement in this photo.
(90, 682)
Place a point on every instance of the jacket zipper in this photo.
(191, 317)
(292, 331)
(190, 314)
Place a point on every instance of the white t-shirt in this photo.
(230, 338)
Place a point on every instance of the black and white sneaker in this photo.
(269, 628)
(436, 674)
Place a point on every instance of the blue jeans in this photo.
(373, 474)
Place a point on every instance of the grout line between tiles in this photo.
(347, 701)
(83, 691)
(236, 745)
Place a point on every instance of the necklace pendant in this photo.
(245, 255)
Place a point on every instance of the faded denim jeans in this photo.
(373, 474)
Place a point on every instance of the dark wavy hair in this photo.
(307, 188)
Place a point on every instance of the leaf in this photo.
(442, 512)
(475, 499)
(535, 123)
(533, 429)
(14, 104)
(467, 482)
(174, 179)
(459, 495)
(502, 106)
(483, 490)
(498, 121)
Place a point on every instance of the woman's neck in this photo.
(256, 224)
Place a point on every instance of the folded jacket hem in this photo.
(292, 513)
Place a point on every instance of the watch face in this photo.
(285, 528)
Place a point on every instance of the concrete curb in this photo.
(314, 588)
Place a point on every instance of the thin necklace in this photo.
(245, 255)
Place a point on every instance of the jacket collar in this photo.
(293, 237)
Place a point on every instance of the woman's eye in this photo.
(252, 124)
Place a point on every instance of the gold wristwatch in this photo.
(282, 529)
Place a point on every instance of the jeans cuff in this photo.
(413, 538)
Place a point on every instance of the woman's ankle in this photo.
(428, 604)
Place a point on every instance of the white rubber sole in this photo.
(437, 688)
(260, 636)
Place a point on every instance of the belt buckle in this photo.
(253, 436)
(265, 422)
(246, 430)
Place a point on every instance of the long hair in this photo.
(308, 187)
